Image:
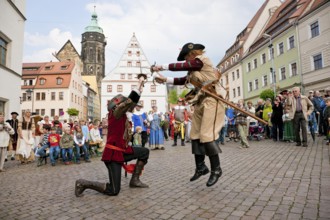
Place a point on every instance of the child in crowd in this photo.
(79, 140)
(58, 127)
(66, 144)
(288, 133)
(54, 143)
(95, 136)
(137, 139)
(41, 152)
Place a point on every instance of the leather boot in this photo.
(216, 171)
(82, 184)
(201, 168)
(175, 140)
(182, 142)
(135, 181)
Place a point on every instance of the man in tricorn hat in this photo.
(13, 138)
(208, 117)
(118, 150)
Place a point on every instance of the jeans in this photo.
(85, 150)
(42, 151)
(66, 151)
(53, 153)
(222, 133)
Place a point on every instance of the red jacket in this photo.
(54, 140)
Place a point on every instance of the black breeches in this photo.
(144, 137)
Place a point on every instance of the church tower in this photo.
(92, 51)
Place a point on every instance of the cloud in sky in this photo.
(161, 27)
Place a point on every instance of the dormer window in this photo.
(64, 67)
(59, 81)
(42, 81)
(48, 67)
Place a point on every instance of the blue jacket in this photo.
(138, 121)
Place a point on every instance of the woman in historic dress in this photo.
(156, 137)
(26, 129)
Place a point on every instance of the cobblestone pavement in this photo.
(271, 180)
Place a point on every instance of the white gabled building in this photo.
(122, 79)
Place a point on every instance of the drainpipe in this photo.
(299, 58)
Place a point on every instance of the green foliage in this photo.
(72, 112)
(173, 96)
(183, 93)
(268, 93)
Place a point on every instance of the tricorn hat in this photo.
(187, 48)
(139, 104)
(14, 113)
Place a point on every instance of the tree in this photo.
(72, 112)
(183, 93)
(173, 96)
(268, 93)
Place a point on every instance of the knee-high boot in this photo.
(201, 168)
(135, 181)
(216, 171)
(175, 139)
(82, 184)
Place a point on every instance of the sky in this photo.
(161, 26)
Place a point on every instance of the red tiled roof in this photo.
(49, 71)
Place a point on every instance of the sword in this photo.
(207, 90)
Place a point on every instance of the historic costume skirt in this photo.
(156, 138)
(25, 147)
(288, 133)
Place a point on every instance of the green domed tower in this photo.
(93, 44)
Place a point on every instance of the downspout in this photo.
(299, 59)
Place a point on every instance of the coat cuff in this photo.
(134, 96)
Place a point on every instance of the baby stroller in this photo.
(255, 131)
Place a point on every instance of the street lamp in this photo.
(29, 92)
(272, 69)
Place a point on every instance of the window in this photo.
(233, 75)
(263, 58)
(138, 63)
(42, 112)
(60, 112)
(59, 81)
(42, 81)
(109, 88)
(153, 103)
(71, 97)
(52, 112)
(53, 96)
(48, 67)
(293, 69)
(130, 76)
(38, 111)
(60, 95)
(119, 88)
(227, 80)
(249, 86)
(256, 84)
(237, 74)
(317, 59)
(122, 76)
(282, 73)
(234, 93)
(255, 63)
(239, 91)
(137, 53)
(28, 82)
(152, 88)
(291, 42)
(133, 87)
(24, 97)
(249, 67)
(64, 67)
(38, 96)
(271, 53)
(315, 31)
(3, 51)
(43, 96)
(129, 53)
(129, 63)
(264, 80)
(280, 48)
